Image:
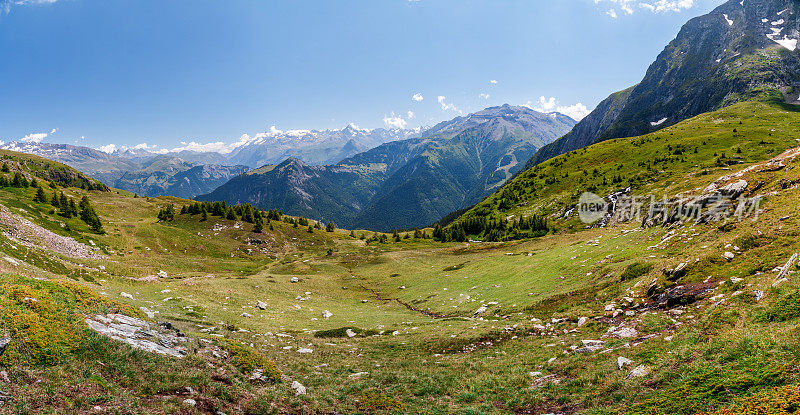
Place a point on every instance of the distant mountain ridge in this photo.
(406, 183)
(188, 173)
(729, 55)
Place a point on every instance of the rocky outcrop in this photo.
(162, 338)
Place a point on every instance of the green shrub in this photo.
(248, 360)
(636, 270)
(373, 400)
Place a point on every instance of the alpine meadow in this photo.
(432, 236)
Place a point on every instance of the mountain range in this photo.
(406, 183)
(187, 173)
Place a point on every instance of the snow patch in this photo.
(730, 22)
(659, 122)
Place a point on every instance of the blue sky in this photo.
(162, 72)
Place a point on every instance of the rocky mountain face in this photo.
(734, 53)
(407, 183)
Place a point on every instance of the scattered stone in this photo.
(759, 295)
(162, 274)
(327, 314)
(622, 362)
(582, 321)
(736, 280)
(785, 270)
(190, 402)
(482, 309)
(295, 279)
(639, 372)
(535, 374)
(4, 376)
(126, 295)
(358, 375)
(590, 346)
(625, 332)
(299, 389)
(304, 350)
(261, 305)
(729, 256)
(4, 342)
(246, 315)
(350, 333)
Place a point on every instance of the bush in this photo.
(636, 270)
(779, 401)
(342, 332)
(248, 360)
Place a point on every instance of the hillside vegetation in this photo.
(683, 318)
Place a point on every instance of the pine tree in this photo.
(258, 225)
(5, 168)
(41, 196)
(330, 227)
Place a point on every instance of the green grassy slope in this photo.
(457, 328)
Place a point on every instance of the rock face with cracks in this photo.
(162, 339)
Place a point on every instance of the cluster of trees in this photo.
(17, 180)
(246, 213)
(67, 208)
(492, 230)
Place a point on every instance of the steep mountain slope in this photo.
(407, 183)
(729, 55)
(173, 176)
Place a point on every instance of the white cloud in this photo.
(493, 81)
(410, 114)
(417, 97)
(629, 7)
(5, 5)
(547, 105)
(447, 106)
(34, 138)
(484, 96)
(108, 148)
(394, 121)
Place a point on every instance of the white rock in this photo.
(190, 402)
(729, 255)
(350, 333)
(358, 375)
(327, 314)
(295, 279)
(622, 362)
(304, 350)
(625, 332)
(299, 389)
(582, 321)
(125, 295)
(261, 305)
(639, 372)
(480, 310)
(247, 315)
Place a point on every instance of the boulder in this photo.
(299, 389)
(261, 305)
(639, 372)
(622, 362)
(294, 279)
(729, 256)
(4, 342)
(350, 333)
(625, 332)
(327, 314)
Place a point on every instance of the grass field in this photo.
(461, 328)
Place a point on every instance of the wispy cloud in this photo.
(547, 105)
(417, 97)
(628, 7)
(6, 5)
(446, 106)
